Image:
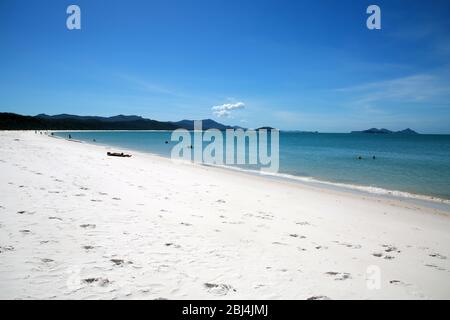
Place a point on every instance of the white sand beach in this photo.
(77, 224)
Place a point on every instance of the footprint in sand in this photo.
(390, 248)
(279, 243)
(399, 283)
(387, 248)
(381, 255)
(218, 289)
(377, 254)
(435, 267)
(47, 261)
(87, 226)
(339, 275)
(264, 215)
(294, 235)
(120, 262)
(100, 281)
(348, 245)
(6, 248)
(318, 298)
(437, 255)
(170, 244)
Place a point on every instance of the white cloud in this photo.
(224, 110)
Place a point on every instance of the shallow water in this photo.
(416, 164)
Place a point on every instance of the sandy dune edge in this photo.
(75, 223)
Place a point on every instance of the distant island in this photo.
(386, 131)
(265, 128)
(12, 121)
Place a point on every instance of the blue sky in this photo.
(307, 65)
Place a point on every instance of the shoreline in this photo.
(77, 224)
(380, 192)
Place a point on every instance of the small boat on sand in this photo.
(117, 154)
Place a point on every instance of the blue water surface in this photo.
(417, 164)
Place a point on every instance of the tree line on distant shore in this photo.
(12, 121)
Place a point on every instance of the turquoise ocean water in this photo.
(407, 164)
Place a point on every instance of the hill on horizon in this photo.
(12, 121)
(386, 131)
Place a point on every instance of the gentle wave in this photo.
(365, 189)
